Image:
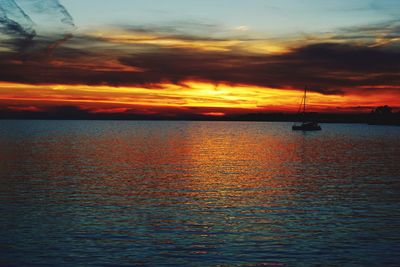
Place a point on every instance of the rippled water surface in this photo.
(101, 193)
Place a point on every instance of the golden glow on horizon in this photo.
(191, 94)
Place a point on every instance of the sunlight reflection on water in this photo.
(198, 193)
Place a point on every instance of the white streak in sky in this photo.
(13, 20)
(31, 20)
(48, 15)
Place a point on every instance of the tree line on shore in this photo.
(382, 115)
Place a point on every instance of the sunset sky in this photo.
(210, 57)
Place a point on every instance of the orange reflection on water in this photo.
(197, 188)
(219, 163)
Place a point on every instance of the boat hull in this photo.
(306, 128)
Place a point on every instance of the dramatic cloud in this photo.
(143, 56)
(13, 20)
(328, 68)
(131, 65)
(49, 12)
(34, 24)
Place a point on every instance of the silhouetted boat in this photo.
(306, 125)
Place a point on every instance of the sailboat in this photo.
(306, 125)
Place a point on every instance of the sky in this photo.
(271, 17)
(212, 57)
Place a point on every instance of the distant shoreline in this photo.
(358, 118)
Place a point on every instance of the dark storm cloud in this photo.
(328, 68)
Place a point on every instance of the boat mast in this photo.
(305, 97)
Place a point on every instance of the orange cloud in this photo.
(188, 95)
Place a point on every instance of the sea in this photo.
(168, 193)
